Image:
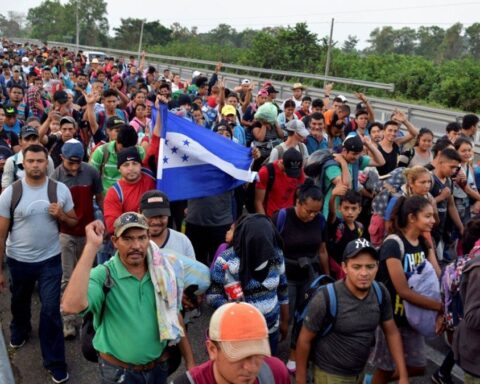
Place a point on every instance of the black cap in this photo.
(354, 247)
(128, 154)
(184, 99)
(353, 144)
(154, 203)
(28, 131)
(60, 96)
(10, 110)
(292, 162)
(114, 122)
(5, 152)
(271, 89)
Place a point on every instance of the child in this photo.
(340, 231)
(55, 124)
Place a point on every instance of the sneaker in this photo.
(291, 367)
(59, 375)
(69, 330)
(438, 378)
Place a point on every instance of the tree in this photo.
(50, 21)
(93, 20)
(472, 34)
(13, 25)
(429, 39)
(404, 41)
(382, 40)
(350, 45)
(453, 44)
(127, 34)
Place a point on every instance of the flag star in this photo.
(186, 142)
(184, 158)
(174, 149)
(166, 141)
(165, 160)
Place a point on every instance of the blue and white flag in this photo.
(195, 162)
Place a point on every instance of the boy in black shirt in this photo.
(340, 231)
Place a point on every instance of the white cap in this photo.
(196, 74)
(24, 59)
(246, 82)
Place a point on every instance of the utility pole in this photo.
(77, 22)
(329, 53)
(140, 42)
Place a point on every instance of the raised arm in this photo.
(412, 131)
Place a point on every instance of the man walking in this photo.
(141, 311)
(32, 208)
(340, 354)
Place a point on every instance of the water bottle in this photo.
(232, 287)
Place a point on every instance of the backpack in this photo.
(102, 118)
(17, 191)
(325, 285)
(16, 167)
(450, 288)
(87, 331)
(281, 151)
(318, 163)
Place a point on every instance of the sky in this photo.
(352, 17)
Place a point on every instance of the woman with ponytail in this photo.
(412, 216)
(303, 230)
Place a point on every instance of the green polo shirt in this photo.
(110, 174)
(129, 329)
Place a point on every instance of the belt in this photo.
(140, 367)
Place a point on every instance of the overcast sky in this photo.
(352, 17)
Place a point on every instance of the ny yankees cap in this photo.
(357, 246)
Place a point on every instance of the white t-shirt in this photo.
(179, 243)
(35, 235)
(300, 147)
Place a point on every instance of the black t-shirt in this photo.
(437, 187)
(54, 146)
(390, 160)
(301, 239)
(413, 257)
(339, 235)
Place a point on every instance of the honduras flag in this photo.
(195, 162)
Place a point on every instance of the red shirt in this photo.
(114, 207)
(282, 194)
(203, 374)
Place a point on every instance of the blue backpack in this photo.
(324, 284)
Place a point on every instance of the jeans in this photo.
(114, 374)
(273, 339)
(48, 274)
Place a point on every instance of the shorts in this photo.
(322, 377)
(376, 229)
(413, 350)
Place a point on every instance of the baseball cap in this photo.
(128, 154)
(343, 98)
(155, 203)
(212, 101)
(246, 82)
(68, 119)
(229, 110)
(196, 74)
(297, 126)
(354, 247)
(24, 59)
(129, 220)
(16, 68)
(298, 86)
(262, 92)
(73, 150)
(28, 131)
(353, 144)
(241, 330)
(271, 89)
(292, 162)
(10, 110)
(114, 122)
(60, 96)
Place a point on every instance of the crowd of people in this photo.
(363, 204)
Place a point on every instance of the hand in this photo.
(221, 84)
(3, 281)
(160, 100)
(328, 88)
(94, 233)
(90, 98)
(218, 67)
(339, 190)
(339, 159)
(256, 154)
(39, 105)
(366, 141)
(142, 55)
(56, 210)
(445, 193)
(361, 97)
(399, 116)
(53, 113)
(283, 330)
(187, 304)
(439, 324)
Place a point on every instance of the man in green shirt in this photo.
(128, 335)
